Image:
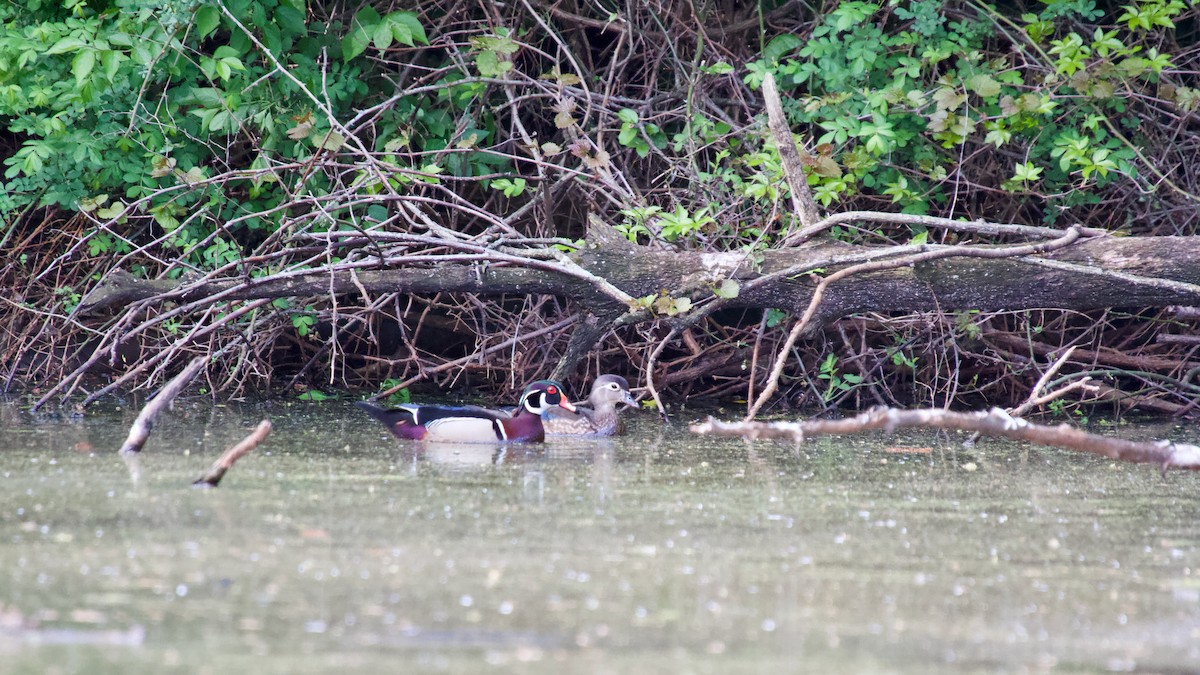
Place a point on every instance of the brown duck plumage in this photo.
(599, 417)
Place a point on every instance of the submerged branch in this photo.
(144, 424)
(225, 462)
(995, 422)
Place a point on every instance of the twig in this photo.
(1037, 399)
(793, 167)
(1069, 237)
(226, 461)
(995, 422)
(144, 424)
(980, 227)
(476, 356)
(658, 349)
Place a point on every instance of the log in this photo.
(1096, 273)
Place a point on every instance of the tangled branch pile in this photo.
(200, 150)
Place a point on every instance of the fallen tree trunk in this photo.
(1095, 273)
(612, 283)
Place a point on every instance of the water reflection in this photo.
(654, 552)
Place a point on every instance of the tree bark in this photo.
(1095, 273)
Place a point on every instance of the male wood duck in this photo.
(473, 424)
(600, 419)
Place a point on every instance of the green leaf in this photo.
(207, 19)
(627, 115)
(82, 65)
(489, 64)
(361, 31)
(381, 36)
(141, 54)
(984, 85)
(111, 61)
(780, 45)
(401, 33)
(406, 28)
(111, 211)
(291, 21)
(728, 289)
(220, 121)
(354, 44)
(67, 44)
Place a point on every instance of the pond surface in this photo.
(334, 546)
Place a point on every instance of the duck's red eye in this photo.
(551, 390)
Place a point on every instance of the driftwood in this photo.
(995, 422)
(225, 462)
(139, 432)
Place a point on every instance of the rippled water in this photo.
(333, 545)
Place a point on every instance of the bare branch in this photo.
(144, 424)
(1067, 238)
(793, 167)
(995, 422)
(225, 462)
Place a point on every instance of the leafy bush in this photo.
(176, 113)
(926, 100)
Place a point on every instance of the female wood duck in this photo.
(600, 419)
(472, 424)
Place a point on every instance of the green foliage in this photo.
(370, 29)
(148, 110)
(400, 396)
(639, 136)
(775, 317)
(902, 90)
(493, 56)
(510, 188)
(303, 322)
(836, 382)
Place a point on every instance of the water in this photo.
(334, 546)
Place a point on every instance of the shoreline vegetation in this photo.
(818, 208)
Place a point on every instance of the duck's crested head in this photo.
(542, 395)
(612, 389)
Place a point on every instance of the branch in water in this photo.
(995, 422)
(139, 432)
(226, 461)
